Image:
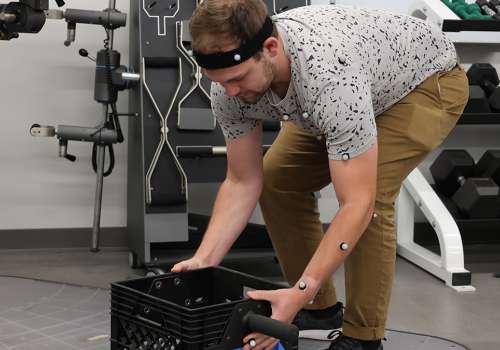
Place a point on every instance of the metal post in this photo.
(101, 151)
(112, 5)
(96, 228)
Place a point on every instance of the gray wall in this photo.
(45, 82)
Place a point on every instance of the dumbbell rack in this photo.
(459, 30)
(480, 119)
(416, 191)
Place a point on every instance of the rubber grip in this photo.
(285, 332)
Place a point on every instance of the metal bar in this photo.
(96, 227)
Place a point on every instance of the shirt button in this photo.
(345, 156)
(305, 115)
(286, 117)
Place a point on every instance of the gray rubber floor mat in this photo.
(43, 315)
(397, 340)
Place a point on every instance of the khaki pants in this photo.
(297, 165)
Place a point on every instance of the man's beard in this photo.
(255, 96)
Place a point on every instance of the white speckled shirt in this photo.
(348, 65)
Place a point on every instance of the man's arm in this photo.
(355, 185)
(235, 202)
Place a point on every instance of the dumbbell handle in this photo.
(461, 180)
(486, 9)
(488, 87)
(287, 333)
(495, 5)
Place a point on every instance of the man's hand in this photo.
(190, 264)
(285, 303)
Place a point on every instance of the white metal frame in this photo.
(416, 191)
(162, 24)
(435, 12)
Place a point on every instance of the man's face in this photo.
(248, 80)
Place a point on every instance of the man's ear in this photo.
(272, 46)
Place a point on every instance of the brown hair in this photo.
(217, 23)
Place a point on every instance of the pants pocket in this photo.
(425, 112)
(424, 129)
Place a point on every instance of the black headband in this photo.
(234, 57)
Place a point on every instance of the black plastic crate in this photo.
(199, 309)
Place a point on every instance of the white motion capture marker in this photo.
(375, 215)
(302, 285)
(286, 117)
(305, 115)
(344, 246)
(237, 58)
(252, 343)
(345, 156)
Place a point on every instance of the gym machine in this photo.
(29, 16)
(176, 140)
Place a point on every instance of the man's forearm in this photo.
(233, 206)
(347, 227)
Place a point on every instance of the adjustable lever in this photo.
(71, 34)
(63, 150)
(85, 53)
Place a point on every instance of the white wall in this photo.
(43, 81)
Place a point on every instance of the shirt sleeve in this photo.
(229, 114)
(344, 113)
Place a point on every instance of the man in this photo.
(364, 96)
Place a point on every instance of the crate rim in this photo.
(118, 285)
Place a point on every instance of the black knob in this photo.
(70, 157)
(83, 53)
(60, 3)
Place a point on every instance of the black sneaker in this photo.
(343, 342)
(320, 324)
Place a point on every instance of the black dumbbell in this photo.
(486, 76)
(489, 165)
(495, 5)
(486, 185)
(486, 8)
(450, 170)
(455, 174)
(478, 101)
(478, 198)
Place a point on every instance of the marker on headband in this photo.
(234, 57)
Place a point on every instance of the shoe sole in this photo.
(317, 334)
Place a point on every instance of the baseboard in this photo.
(61, 238)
